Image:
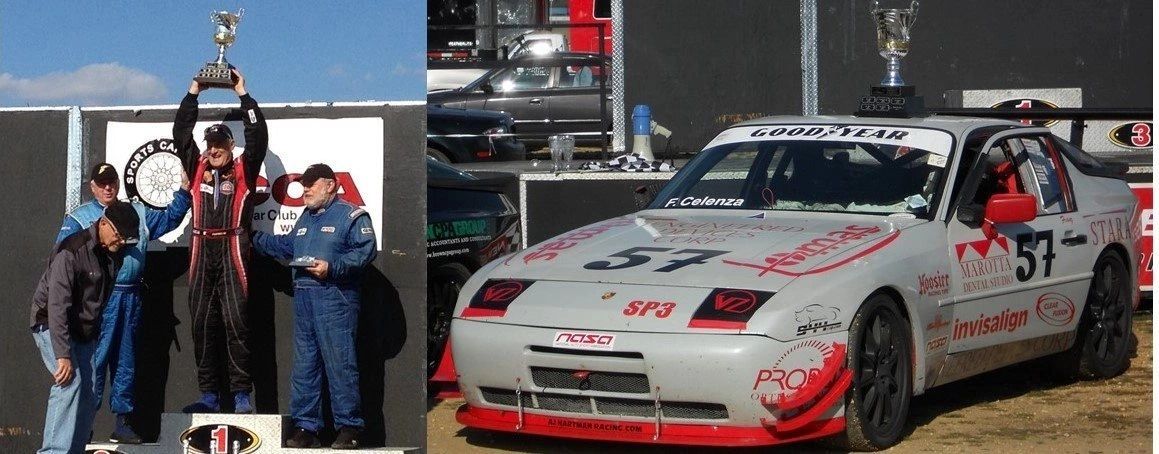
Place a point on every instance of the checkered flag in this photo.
(628, 163)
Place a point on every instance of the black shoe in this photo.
(347, 438)
(303, 438)
(124, 433)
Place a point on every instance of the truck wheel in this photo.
(879, 354)
(443, 286)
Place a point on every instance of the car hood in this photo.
(583, 276)
(438, 98)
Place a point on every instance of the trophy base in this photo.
(215, 75)
(891, 101)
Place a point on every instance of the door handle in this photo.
(1074, 240)
(536, 101)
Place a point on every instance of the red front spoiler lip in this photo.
(640, 431)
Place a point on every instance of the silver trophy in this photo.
(216, 73)
(893, 30)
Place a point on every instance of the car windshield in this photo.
(834, 168)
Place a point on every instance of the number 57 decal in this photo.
(1023, 239)
(635, 258)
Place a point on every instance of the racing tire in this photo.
(880, 356)
(443, 286)
(1103, 342)
(439, 155)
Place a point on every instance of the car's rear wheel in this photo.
(879, 355)
(439, 155)
(443, 286)
(1103, 343)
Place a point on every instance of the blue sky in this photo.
(112, 53)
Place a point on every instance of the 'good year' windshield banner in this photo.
(931, 140)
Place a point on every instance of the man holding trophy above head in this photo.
(220, 244)
(222, 211)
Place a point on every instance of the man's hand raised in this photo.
(239, 82)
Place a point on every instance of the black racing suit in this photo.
(220, 245)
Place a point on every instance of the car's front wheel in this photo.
(443, 286)
(879, 355)
(1104, 339)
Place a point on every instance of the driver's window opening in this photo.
(1000, 174)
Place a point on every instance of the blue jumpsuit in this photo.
(325, 311)
(122, 313)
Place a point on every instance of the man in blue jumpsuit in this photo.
(122, 312)
(330, 245)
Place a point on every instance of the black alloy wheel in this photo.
(879, 355)
(1104, 338)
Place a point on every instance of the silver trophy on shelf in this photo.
(216, 73)
(893, 38)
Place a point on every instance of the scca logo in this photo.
(153, 173)
(347, 190)
(220, 439)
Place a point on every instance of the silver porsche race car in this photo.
(804, 277)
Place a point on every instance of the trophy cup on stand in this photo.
(216, 73)
(893, 97)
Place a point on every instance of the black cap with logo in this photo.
(314, 172)
(218, 133)
(104, 173)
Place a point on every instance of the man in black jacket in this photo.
(65, 319)
(220, 246)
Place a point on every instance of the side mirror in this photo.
(1008, 209)
(643, 196)
(487, 88)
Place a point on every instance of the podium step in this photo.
(242, 434)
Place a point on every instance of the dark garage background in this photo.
(703, 66)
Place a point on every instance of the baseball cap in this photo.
(218, 133)
(314, 172)
(125, 220)
(104, 173)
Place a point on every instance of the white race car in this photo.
(804, 277)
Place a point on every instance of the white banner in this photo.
(934, 141)
(353, 147)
